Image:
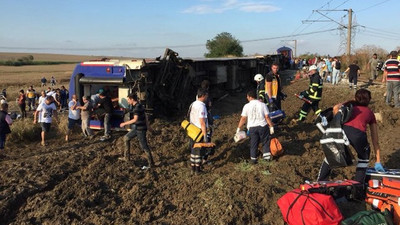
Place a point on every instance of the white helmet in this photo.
(313, 67)
(258, 77)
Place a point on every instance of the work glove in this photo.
(271, 130)
(270, 100)
(379, 167)
(237, 130)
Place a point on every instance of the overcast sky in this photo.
(144, 28)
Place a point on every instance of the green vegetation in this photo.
(224, 44)
(29, 60)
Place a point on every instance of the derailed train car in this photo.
(164, 85)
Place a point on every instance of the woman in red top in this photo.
(356, 131)
(21, 103)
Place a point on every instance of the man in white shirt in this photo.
(255, 113)
(198, 117)
(74, 115)
(45, 111)
(42, 97)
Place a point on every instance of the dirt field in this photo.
(82, 182)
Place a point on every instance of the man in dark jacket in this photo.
(314, 94)
(5, 122)
(260, 92)
(106, 107)
(139, 125)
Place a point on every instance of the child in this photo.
(5, 122)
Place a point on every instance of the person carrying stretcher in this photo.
(355, 130)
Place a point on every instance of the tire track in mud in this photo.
(15, 196)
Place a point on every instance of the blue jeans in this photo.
(141, 134)
(393, 89)
(259, 135)
(335, 76)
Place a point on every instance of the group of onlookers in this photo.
(32, 99)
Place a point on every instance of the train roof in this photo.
(128, 63)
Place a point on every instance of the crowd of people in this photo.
(268, 96)
(265, 98)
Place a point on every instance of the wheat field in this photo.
(15, 78)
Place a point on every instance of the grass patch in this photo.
(24, 130)
(244, 167)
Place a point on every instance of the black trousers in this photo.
(359, 141)
(306, 108)
(259, 135)
(353, 79)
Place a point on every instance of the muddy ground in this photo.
(83, 182)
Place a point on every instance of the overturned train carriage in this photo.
(165, 85)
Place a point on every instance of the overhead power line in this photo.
(160, 47)
(369, 7)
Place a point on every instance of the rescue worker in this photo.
(355, 129)
(198, 117)
(314, 94)
(273, 88)
(260, 87)
(139, 126)
(255, 113)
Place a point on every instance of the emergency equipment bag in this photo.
(371, 217)
(275, 147)
(350, 189)
(275, 114)
(304, 208)
(384, 194)
(204, 148)
(192, 131)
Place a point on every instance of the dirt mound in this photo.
(83, 182)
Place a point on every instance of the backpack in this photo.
(304, 208)
(338, 65)
(369, 218)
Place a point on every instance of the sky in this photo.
(145, 28)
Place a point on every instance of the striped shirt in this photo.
(392, 67)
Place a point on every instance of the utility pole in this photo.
(349, 27)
